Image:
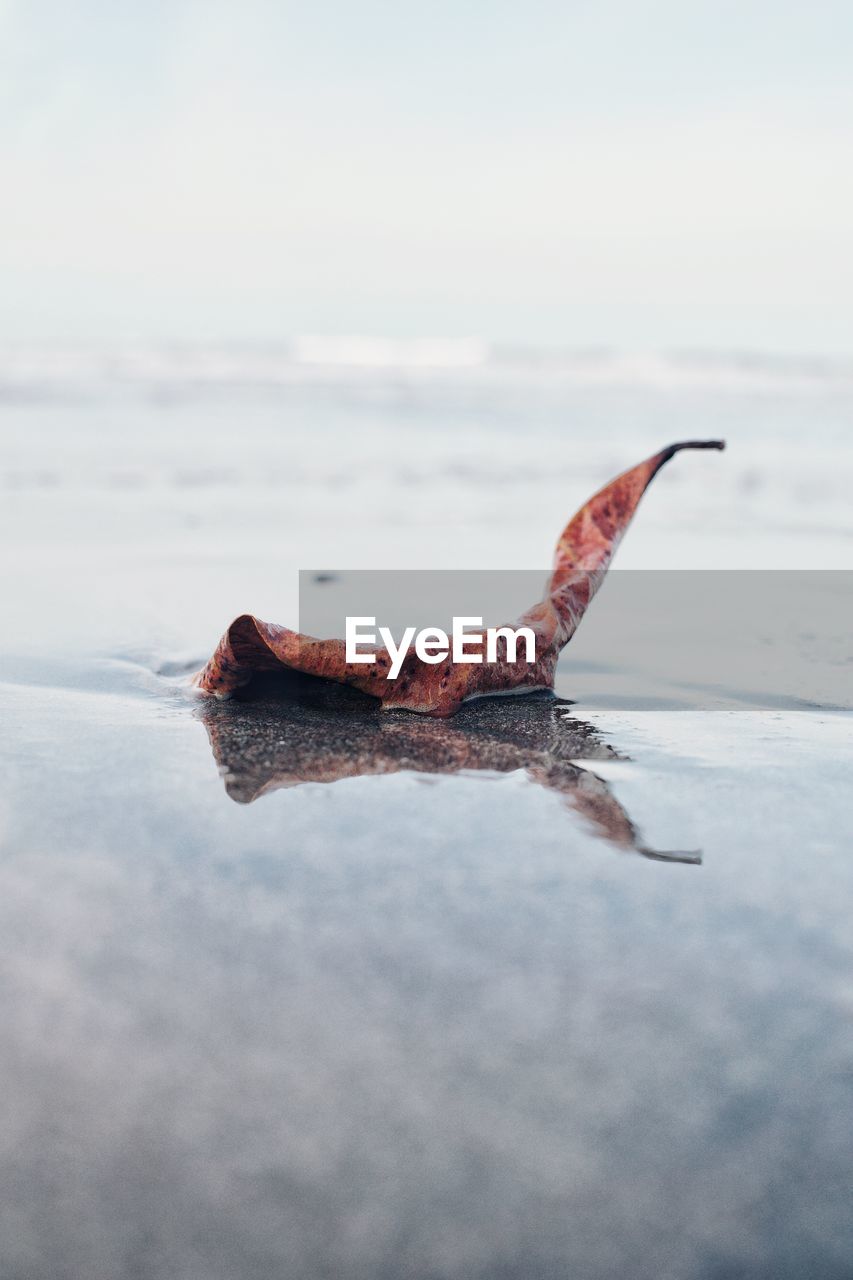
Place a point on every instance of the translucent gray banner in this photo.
(775, 640)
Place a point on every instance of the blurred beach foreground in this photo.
(559, 988)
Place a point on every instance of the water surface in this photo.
(291, 989)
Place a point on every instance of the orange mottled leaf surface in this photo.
(583, 554)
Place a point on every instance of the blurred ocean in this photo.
(423, 1024)
(171, 487)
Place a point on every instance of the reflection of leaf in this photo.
(297, 729)
(583, 555)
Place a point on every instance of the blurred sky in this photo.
(635, 174)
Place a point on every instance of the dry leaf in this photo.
(582, 557)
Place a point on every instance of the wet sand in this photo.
(292, 988)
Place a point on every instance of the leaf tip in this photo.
(693, 444)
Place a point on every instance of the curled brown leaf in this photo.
(583, 554)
